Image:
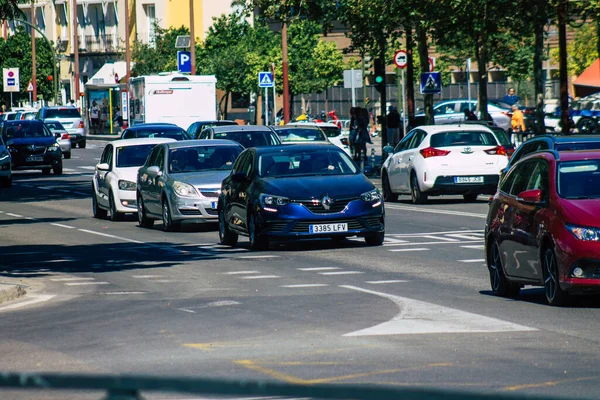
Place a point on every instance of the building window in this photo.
(151, 18)
(240, 100)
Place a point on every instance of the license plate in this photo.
(328, 228)
(468, 179)
(34, 159)
(213, 205)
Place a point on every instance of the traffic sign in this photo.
(265, 79)
(400, 59)
(431, 82)
(349, 77)
(11, 79)
(30, 87)
(184, 61)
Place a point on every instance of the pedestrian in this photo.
(72, 104)
(517, 123)
(469, 115)
(352, 129)
(393, 126)
(95, 116)
(362, 134)
(511, 98)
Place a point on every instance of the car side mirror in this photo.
(369, 171)
(531, 197)
(154, 171)
(388, 149)
(103, 167)
(239, 177)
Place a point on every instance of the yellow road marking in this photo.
(210, 346)
(548, 384)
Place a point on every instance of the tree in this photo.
(582, 51)
(9, 9)
(160, 57)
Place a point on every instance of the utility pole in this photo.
(192, 38)
(33, 66)
(75, 51)
(284, 62)
(562, 49)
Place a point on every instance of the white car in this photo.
(333, 132)
(114, 180)
(432, 160)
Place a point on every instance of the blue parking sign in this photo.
(184, 61)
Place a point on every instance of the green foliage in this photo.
(16, 53)
(161, 57)
(582, 51)
(9, 9)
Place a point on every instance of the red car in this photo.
(543, 226)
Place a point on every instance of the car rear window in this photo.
(331, 131)
(579, 179)
(246, 139)
(578, 146)
(457, 138)
(67, 112)
(300, 135)
(177, 134)
(203, 158)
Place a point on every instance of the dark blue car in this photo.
(32, 146)
(303, 191)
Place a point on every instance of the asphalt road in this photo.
(111, 297)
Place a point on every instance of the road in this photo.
(111, 297)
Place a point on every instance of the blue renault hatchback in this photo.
(303, 191)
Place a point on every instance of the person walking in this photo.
(362, 134)
(469, 115)
(517, 123)
(511, 98)
(393, 126)
(95, 116)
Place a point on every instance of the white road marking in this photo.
(433, 233)
(88, 167)
(110, 236)
(305, 285)
(14, 215)
(241, 272)
(475, 260)
(384, 282)
(341, 273)
(478, 247)
(261, 277)
(414, 249)
(30, 218)
(250, 257)
(390, 240)
(434, 211)
(440, 238)
(318, 269)
(422, 243)
(466, 237)
(85, 283)
(186, 310)
(34, 299)
(62, 226)
(70, 279)
(69, 170)
(416, 317)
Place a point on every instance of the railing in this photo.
(98, 43)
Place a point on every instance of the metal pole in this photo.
(469, 82)
(403, 106)
(127, 50)
(110, 110)
(274, 94)
(75, 51)
(192, 38)
(284, 64)
(33, 57)
(266, 106)
(353, 88)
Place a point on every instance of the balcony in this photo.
(98, 43)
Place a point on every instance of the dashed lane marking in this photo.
(62, 226)
(14, 215)
(413, 249)
(341, 273)
(475, 260)
(261, 277)
(384, 282)
(477, 247)
(318, 269)
(85, 283)
(70, 279)
(241, 272)
(110, 236)
(307, 285)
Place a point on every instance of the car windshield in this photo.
(54, 126)
(331, 131)
(67, 112)
(326, 161)
(202, 158)
(303, 134)
(458, 138)
(25, 130)
(579, 179)
(578, 146)
(501, 136)
(246, 139)
(161, 132)
(133, 156)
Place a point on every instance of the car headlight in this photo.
(271, 200)
(371, 195)
(126, 185)
(185, 189)
(54, 147)
(584, 233)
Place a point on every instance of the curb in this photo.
(10, 292)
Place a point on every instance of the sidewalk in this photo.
(11, 289)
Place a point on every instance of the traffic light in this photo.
(379, 74)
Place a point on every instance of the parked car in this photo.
(32, 146)
(180, 181)
(70, 118)
(295, 192)
(300, 133)
(452, 112)
(155, 130)
(62, 136)
(432, 160)
(5, 165)
(196, 128)
(332, 131)
(114, 180)
(543, 226)
(26, 115)
(246, 135)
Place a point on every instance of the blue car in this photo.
(303, 191)
(5, 165)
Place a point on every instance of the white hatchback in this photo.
(114, 180)
(435, 160)
(334, 133)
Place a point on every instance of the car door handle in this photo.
(410, 158)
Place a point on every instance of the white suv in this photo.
(433, 160)
(70, 118)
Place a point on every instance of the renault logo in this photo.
(467, 150)
(327, 202)
(32, 147)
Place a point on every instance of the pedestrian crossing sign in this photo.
(431, 82)
(265, 79)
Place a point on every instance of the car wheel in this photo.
(114, 214)
(168, 224)
(416, 195)
(98, 212)
(500, 285)
(470, 197)
(388, 195)
(226, 237)
(375, 239)
(82, 145)
(143, 220)
(46, 171)
(6, 182)
(555, 296)
(587, 126)
(58, 169)
(67, 155)
(257, 242)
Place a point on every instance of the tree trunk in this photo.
(424, 64)
(482, 59)
(538, 77)
(383, 97)
(562, 49)
(410, 78)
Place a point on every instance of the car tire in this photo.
(388, 195)
(470, 197)
(46, 171)
(257, 242)
(416, 195)
(114, 214)
(375, 239)
(67, 155)
(58, 169)
(555, 296)
(97, 211)
(501, 286)
(587, 126)
(167, 218)
(82, 145)
(6, 182)
(226, 236)
(143, 219)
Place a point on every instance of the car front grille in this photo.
(210, 211)
(189, 211)
(373, 222)
(213, 193)
(302, 226)
(31, 150)
(276, 226)
(316, 206)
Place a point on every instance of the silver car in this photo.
(62, 136)
(181, 181)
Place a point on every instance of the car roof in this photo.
(154, 125)
(23, 121)
(311, 123)
(239, 128)
(140, 141)
(216, 121)
(431, 129)
(295, 147)
(203, 142)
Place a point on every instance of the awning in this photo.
(589, 80)
(110, 73)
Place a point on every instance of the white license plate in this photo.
(213, 205)
(35, 159)
(468, 179)
(328, 228)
